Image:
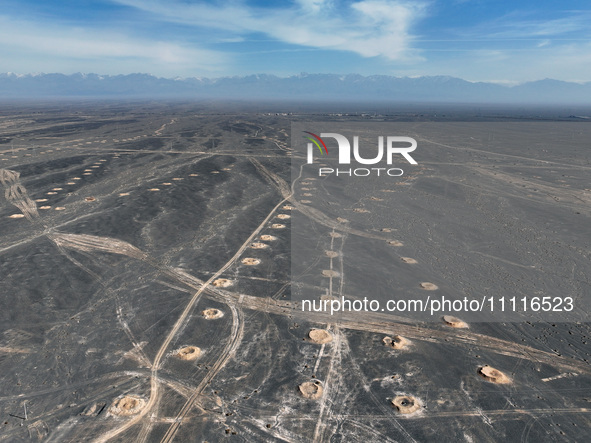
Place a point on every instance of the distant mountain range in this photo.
(298, 87)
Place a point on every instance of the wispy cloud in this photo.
(367, 27)
(522, 25)
(45, 45)
(514, 47)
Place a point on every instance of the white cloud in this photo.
(539, 28)
(519, 25)
(367, 27)
(313, 6)
(34, 47)
(514, 48)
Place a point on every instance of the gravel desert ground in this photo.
(155, 259)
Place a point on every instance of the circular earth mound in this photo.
(212, 314)
(128, 405)
(330, 273)
(396, 342)
(250, 261)
(320, 336)
(189, 353)
(406, 404)
(311, 390)
(493, 375)
(428, 286)
(222, 283)
(454, 322)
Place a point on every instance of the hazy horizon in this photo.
(285, 76)
(304, 87)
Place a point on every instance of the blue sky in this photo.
(478, 40)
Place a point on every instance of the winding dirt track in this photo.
(237, 330)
